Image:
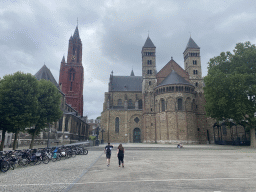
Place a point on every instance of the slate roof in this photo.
(149, 43)
(126, 83)
(45, 73)
(173, 79)
(192, 44)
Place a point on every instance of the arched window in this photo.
(140, 104)
(119, 102)
(71, 74)
(60, 124)
(66, 124)
(162, 104)
(179, 104)
(117, 125)
(130, 103)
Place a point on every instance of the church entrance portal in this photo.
(136, 135)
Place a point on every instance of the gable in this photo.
(167, 69)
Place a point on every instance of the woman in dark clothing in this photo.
(120, 155)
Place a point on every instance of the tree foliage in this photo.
(230, 86)
(18, 103)
(48, 111)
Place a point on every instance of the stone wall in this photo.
(126, 125)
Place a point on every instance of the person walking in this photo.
(120, 155)
(107, 151)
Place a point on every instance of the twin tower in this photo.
(162, 107)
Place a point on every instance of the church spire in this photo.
(149, 43)
(63, 59)
(192, 44)
(76, 33)
(132, 73)
(75, 48)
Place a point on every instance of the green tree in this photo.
(49, 111)
(230, 87)
(18, 103)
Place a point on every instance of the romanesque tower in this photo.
(149, 82)
(71, 78)
(192, 64)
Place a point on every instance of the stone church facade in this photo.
(158, 107)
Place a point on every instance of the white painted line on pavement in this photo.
(147, 180)
(103, 182)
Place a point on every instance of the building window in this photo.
(72, 75)
(130, 103)
(136, 120)
(163, 104)
(119, 102)
(179, 104)
(149, 53)
(194, 62)
(140, 104)
(66, 124)
(117, 125)
(149, 71)
(196, 84)
(194, 72)
(149, 62)
(149, 83)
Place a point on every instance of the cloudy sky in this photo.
(113, 32)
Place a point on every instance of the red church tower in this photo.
(71, 79)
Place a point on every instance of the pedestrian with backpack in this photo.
(107, 150)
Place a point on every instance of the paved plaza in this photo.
(148, 167)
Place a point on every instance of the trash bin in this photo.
(97, 142)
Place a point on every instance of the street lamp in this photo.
(48, 142)
(102, 131)
(97, 136)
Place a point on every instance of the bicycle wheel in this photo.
(58, 157)
(22, 162)
(37, 161)
(54, 157)
(4, 166)
(45, 159)
(85, 152)
(69, 154)
(12, 165)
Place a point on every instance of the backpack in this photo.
(108, 150)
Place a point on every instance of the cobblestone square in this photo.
(148, 167)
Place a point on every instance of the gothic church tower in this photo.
(149, 82)
(71, 77)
